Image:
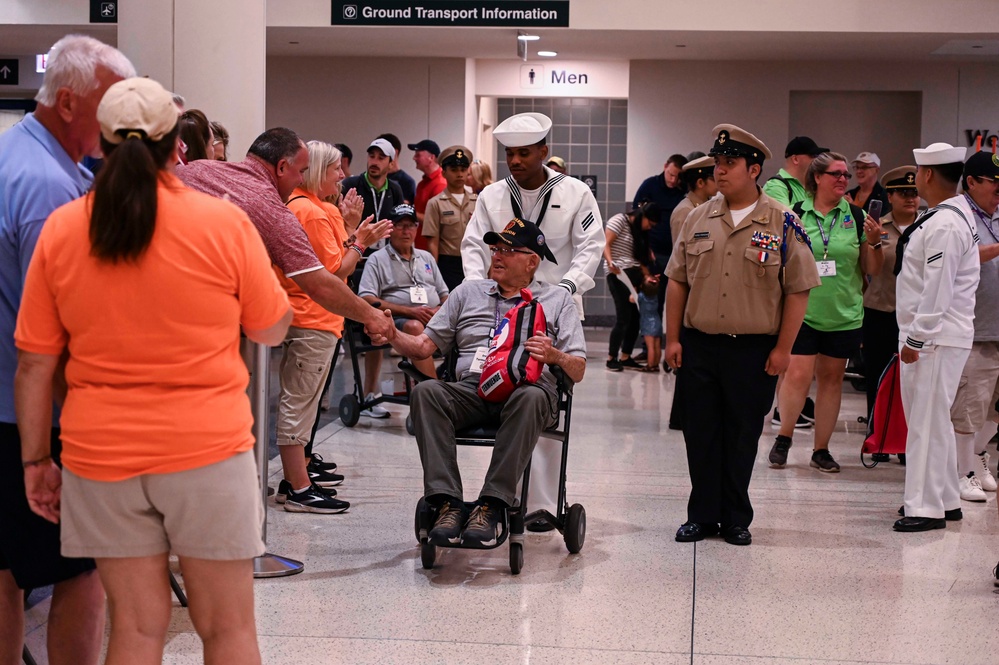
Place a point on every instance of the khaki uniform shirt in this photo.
(880, 293)
(680, 212)
(446, 219)
(734, 273)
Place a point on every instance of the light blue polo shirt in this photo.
(36, 177)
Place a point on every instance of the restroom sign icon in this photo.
(532, 76)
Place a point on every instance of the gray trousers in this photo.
(440, 408)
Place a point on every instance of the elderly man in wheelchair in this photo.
(467, 322)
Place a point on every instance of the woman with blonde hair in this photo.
(479, 176)
(312, 337)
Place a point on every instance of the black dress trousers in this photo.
(726, 396)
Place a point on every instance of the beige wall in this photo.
(353, 100)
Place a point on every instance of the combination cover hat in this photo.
(384, 146)
(455, 155)
(426, 145)
(868, 158)
(521, 233)
(903, 177)
(939, 153)
(982, 165)
(803, 145)
(136, 108)
(522, 129)
(703, 167)
(732, 141)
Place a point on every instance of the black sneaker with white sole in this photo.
(324, 478)
(823, 460)
(801, 423)
(778, 452)
(284, 489)
(808, 410)
(317, 461)
(314, 500)
(450, 519)
(483, 527)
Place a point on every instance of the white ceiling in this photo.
(571, 44)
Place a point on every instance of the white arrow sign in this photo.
(5, 70)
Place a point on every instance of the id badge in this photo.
(826, 268)
(418, 295)
(479, 359)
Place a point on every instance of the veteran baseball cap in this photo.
(522, 129)
(732, 141)
(426, 145)
(136, 108)
(403, 211)
(803, 145)
(455, 155)
(384, 146)
(521, 233)
(868, 158)
(982, 165)
(938, 153)
(557, 161)
(903, 177)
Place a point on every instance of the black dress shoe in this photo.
(912, 524)
(539, 526)
(691, 532)
(950, 515)
(737, 535)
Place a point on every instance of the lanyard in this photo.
(986, 220)
(378, 202)
(411, 266)
(825, 236)
(496, 314)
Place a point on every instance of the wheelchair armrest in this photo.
(409, 370)
(562, 380)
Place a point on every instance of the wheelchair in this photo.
(570, 521)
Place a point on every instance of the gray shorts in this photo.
(212, 512)
(978, 390)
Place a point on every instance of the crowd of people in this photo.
(125, 308)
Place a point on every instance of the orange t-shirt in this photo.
(324, 226)
(156, 381)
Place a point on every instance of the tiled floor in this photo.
(826, 580)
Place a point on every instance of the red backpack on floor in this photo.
(886, 428)
(508, 364)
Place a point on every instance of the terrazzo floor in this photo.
(826, 580)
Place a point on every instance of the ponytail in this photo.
(123, 214)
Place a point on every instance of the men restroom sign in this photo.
(532, 76)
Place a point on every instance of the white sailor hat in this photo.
(939, 153)
(522, 129)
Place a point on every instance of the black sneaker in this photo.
(324, 478)
(823, 461)
(995, 575)
(284, 489)
(317, 462)
(614, 365)
(314, 500)
(808, 411)
(483, 527)
(447, 528)
(801, 424)
(629, 363)
(778, 453)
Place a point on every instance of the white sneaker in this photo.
(971, 489)
(985, 475)
(379, 412)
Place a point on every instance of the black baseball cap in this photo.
(521, 233)
(982, 165)
(803, 145)
(426, 144)
(403, 211)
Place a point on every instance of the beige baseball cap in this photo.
(136, 108)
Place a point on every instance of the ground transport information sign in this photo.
(483, 14)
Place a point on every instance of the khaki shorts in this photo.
(977, 392)
(213, 512)
(304, 366)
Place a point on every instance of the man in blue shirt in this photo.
(39, 172)
(666, 190)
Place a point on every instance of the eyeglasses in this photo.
(986, 181)
(508, 250)
(836, 175)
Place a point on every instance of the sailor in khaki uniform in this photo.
(448, 214)
(738, 289)
(880, 326)
(699, 176)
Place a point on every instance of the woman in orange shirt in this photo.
(141, 287)
(311, 339)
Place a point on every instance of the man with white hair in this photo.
(564, 208)
(40, 171)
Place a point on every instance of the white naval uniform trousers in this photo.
(935, 297)
(574, 233)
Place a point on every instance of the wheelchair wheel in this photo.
(516, 557)
(428, 553)
(350, 410)
(575, 528)
(421, 506)
(860, 385)
(410, 425)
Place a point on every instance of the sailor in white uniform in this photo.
(938, 272)
(566, 211)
